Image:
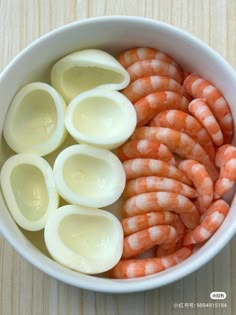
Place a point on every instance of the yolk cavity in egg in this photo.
(101, 117)
(29, 189)
(89, 176)
(89, 240)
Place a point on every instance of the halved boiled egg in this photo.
(101, 117)
(35, 120)
(28, 188)
(86, 69)
(89, 176)
(87, 240)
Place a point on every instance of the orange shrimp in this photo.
(133, 55)
(152, 104)
(145, 149)
(180, 143)
(140, 167)
(226, 160)
(198, 87)
(144, 86)
(201, 111)
(171, 246)
(133, 268)
(213, 218)
(154, 183)
(225, 153)
(138, 242)
(180, 121)
(167, 250)
(145, 68)
(140, 222)
(201, 180)
(162, 201)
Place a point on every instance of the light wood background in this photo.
(25, 290)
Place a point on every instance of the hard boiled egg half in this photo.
(86, 69)
(101, 117)
(35, 120)
(29, 190)
(87, 240)
(89, 176)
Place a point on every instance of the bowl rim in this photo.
(46, 264)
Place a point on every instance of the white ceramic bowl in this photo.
(114, 34)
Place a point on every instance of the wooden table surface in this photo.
(24, 289)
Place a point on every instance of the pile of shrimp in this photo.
(179, 163)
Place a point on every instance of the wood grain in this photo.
(25, 290)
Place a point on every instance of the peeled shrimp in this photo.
(198, 87)
(162, 201)
(199, 109)
(226, 160)
(154, 183)
(180, 121)
(169, 247)
(180, 143)
(145, 149)
(213, 218)
(164, 250)
(138, 242)
(140, 167)
(145, 68)
(144, 86)
(143, 221)
(201, 180)
(133, 55)
(152, 104)
(225, 153)
(133, 268)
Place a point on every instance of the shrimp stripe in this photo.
(144, 86)
(145, 68)
(198, 87)
(133, 55)
(145, 149)
(180, 143)
(134, 268)
(138, 242)
(154, 183)
(183, 122)
(143, 221)
(152, 104)
(213, 219)
(162, 201)
(138, 167)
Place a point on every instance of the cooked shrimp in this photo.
(214, 217)
(180, 143)
(145, 68)
(138, 242)
(140, 222)
(133, 55)
(180, 121)
(154, 183)
(144, 86)
(145, 149)
(226, 160)
(198, 87)
(171, 246)
(152, 104)
(133, 268)
(201, 180)
(162, 201)
(146, 167)
(225, 153)
(201, 111)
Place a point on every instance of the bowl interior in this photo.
(112, 34)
